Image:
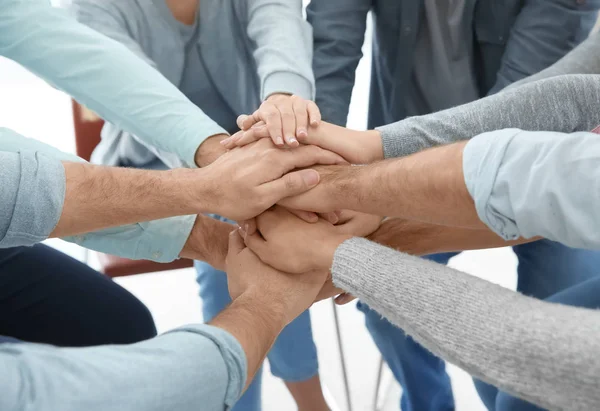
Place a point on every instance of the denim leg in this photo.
(585, 295)
(545, 268)
(425, 384)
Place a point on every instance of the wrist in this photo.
(210, 150)
(327, 249)
(372, 144)
(208, 241)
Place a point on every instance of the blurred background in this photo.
(34, 109)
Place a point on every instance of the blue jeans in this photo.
(292, 358)
(545, 268)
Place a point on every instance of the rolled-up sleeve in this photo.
(527, 184)
(192, 368)
(33, 189)
(33, 185)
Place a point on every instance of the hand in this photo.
(286, 116)
(289, 294)
(290, 244)
(208, 241)
(334, 192)
(210, 150)
(248, 180)
(357, 147)
(357, 224)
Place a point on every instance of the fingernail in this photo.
(279, 141)
(314, 123)
(292, 140)
(311, 177)
(302, 132)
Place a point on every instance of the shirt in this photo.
(443, 72)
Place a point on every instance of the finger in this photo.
(288, 120)
(314, 114)
(307, 216)
(236, 243)
(257, 244)
(230, 142)
(241, 120)
(291, 184)
(299, 105)
(344, 298)
(248, 121)
(252, 135)
(331, 217)
(306, 156)
(271, 115)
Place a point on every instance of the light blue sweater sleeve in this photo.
(527, 184)
(198, 367)
(32, 183)
(103, 75)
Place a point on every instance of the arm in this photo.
(584, 59)
(104, 76)
(543, 32)
(565, 104)
(339, 31)
(283, 47)
(519, 344)
(199, 364)
(418, 238)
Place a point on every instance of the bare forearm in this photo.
(99, 197)
(255, 324)
(418, 238)
(428, 186)
(208, 242)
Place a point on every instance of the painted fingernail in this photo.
(292, 140)
(302, 132)
(279, 141)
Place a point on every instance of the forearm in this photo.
(418, 238)
(104, 76)
(427, 186)
(283, 51)
(521, 345)
(255, 324)
(198, 364)
(98, 197)
(564, 104)
(208, 241)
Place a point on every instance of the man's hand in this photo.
(285, 118)
(357, 147)
(290, 244)
(246, 181)
(210, 150)
(287, 294)
(208, 241)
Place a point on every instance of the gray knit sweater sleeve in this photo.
(565, 104)
(584, 59)
(545, 353)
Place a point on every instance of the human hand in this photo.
(357, 147)
(285, 118)
(247, 180)
(210, 150)
(287, 294)
(290, 244)
(208, 241)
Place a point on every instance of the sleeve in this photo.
(527, 184)
(584, 59)
(544, 31)
(190, 367)
(564, 104)
(338, 35)
(104, 76)
(34, 185)
(282, 47)
(519, 344)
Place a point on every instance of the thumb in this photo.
(236, 243)
(292, 184)
(240, 121)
